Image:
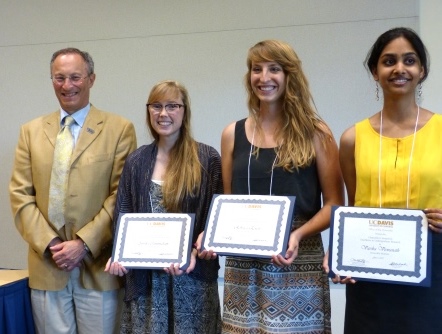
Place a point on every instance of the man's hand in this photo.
(67, 255)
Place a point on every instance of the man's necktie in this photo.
(60, 174)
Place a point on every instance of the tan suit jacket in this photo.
(97, 162)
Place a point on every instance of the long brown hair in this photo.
(300, 121)
(183, 172)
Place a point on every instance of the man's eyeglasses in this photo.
(75, 79)
(156, 108)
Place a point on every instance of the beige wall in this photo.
(430, 28)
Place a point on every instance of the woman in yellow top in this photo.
(394, 159)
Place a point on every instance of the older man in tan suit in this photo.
(70, 292)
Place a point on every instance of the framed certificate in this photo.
(153, 240)
(388, 245)
(249, 225)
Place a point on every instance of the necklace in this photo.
(409, 162)
(250, 158)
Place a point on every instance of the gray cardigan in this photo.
(133, 197)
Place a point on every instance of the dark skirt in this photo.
(381, 308)
(174, 305)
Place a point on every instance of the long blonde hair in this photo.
(300, 121)
(183, 172)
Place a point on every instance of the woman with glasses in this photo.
(282, 148)
(173, 174)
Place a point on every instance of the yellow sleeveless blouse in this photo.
(425, 189)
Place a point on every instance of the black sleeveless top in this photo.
(304, 183)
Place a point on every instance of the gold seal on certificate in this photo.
(378, 244)
(153, 240)
(249, 225)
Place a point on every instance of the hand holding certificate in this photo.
(153, 241)
(389, 245)
(248, 225)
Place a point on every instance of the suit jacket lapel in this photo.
(51, 126)
(92, 127)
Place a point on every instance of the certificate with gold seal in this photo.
(153, 240)
(380, 244)
(249, 225)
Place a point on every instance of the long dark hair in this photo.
(371, 61)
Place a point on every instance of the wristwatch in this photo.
(86, 248)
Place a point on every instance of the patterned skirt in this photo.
(174, 305)
(262, 298)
